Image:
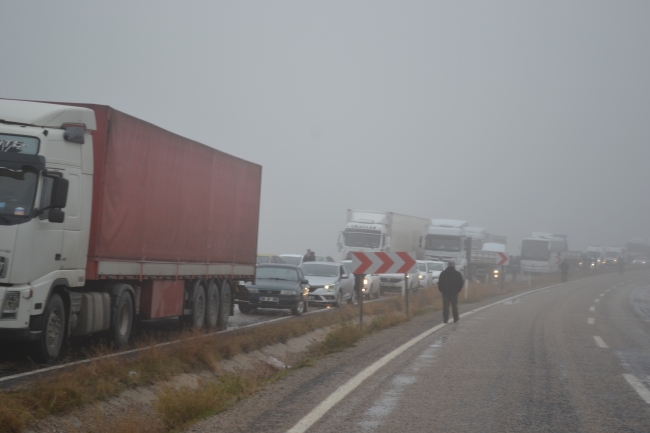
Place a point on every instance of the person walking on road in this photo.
(309, 257)
(564, 269)
(450, 283)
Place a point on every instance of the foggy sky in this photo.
(515, 116)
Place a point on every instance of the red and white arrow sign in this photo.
(382, 263)
(502, 259)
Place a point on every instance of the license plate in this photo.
(312, 298)
(266, 299)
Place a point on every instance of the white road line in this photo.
(602, 295)
(607, 290)
(319, 411)
(592, 308)
(591, 321)
(597, 300)
(600, 342)
(638, 386)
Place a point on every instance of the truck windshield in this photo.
(611, 254)
(535, 250)
(444, 243)
(17, 191)
(593, 254)
(362, 238)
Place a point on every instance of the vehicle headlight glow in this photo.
(251, 290)
(365, 281)
(615, 260)
(329, 287)
(420, 277)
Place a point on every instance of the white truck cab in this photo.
(445, 241)
(46, 167)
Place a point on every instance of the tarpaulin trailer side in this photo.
(168, 206)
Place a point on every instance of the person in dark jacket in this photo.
(564, 270)
(309, 257)
(450, 283)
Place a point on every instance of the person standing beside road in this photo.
(450, 283)
(309, 257)
(564, 269)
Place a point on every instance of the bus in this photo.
(539, 254)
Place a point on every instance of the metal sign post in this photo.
(358, 287)
(406, 292)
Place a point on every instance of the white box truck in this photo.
(378, 231)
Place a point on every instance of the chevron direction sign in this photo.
(382, 263)
(502, 259)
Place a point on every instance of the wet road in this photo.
(574, 358)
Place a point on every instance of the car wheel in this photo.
(245, 308)
(299, 309)
(337, 303)
(353, 298)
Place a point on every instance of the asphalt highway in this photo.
(571, 358)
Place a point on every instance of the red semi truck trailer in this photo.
(105, 218)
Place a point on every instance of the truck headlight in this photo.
(420, 277)
(615, 260)
(365, 281)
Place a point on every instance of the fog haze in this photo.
(515, 116)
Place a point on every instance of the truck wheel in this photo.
(53, 330)
(121, 332)
(226, 303)
(299, 309)
(212, 311)
(199, 303)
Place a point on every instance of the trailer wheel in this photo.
(121, 332)
(226, 304)
(199, 303)
(212, 311)
(53, 330)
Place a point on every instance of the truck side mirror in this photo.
(56, 216)
(59, 193)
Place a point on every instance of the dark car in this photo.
(278, 286)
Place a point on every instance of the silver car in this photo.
(329, 283)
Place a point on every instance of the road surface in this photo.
(573, 358)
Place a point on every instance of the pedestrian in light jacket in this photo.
(450, 283)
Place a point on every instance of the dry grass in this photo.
(180, 407)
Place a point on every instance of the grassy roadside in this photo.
(87, 384)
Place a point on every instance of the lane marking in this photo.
(602, 295)
(319, 411)
(600, 342)
(607, 290)
(597, 300)
(591, 321)
(592, 308)
(638, 386)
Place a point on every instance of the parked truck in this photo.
(446, 242)
(105, 218)
(377, 231)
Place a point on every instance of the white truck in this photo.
(105, 218)
(612, 255)
(595, 255)
(377, 231)
(445, 242)
(479, 236)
